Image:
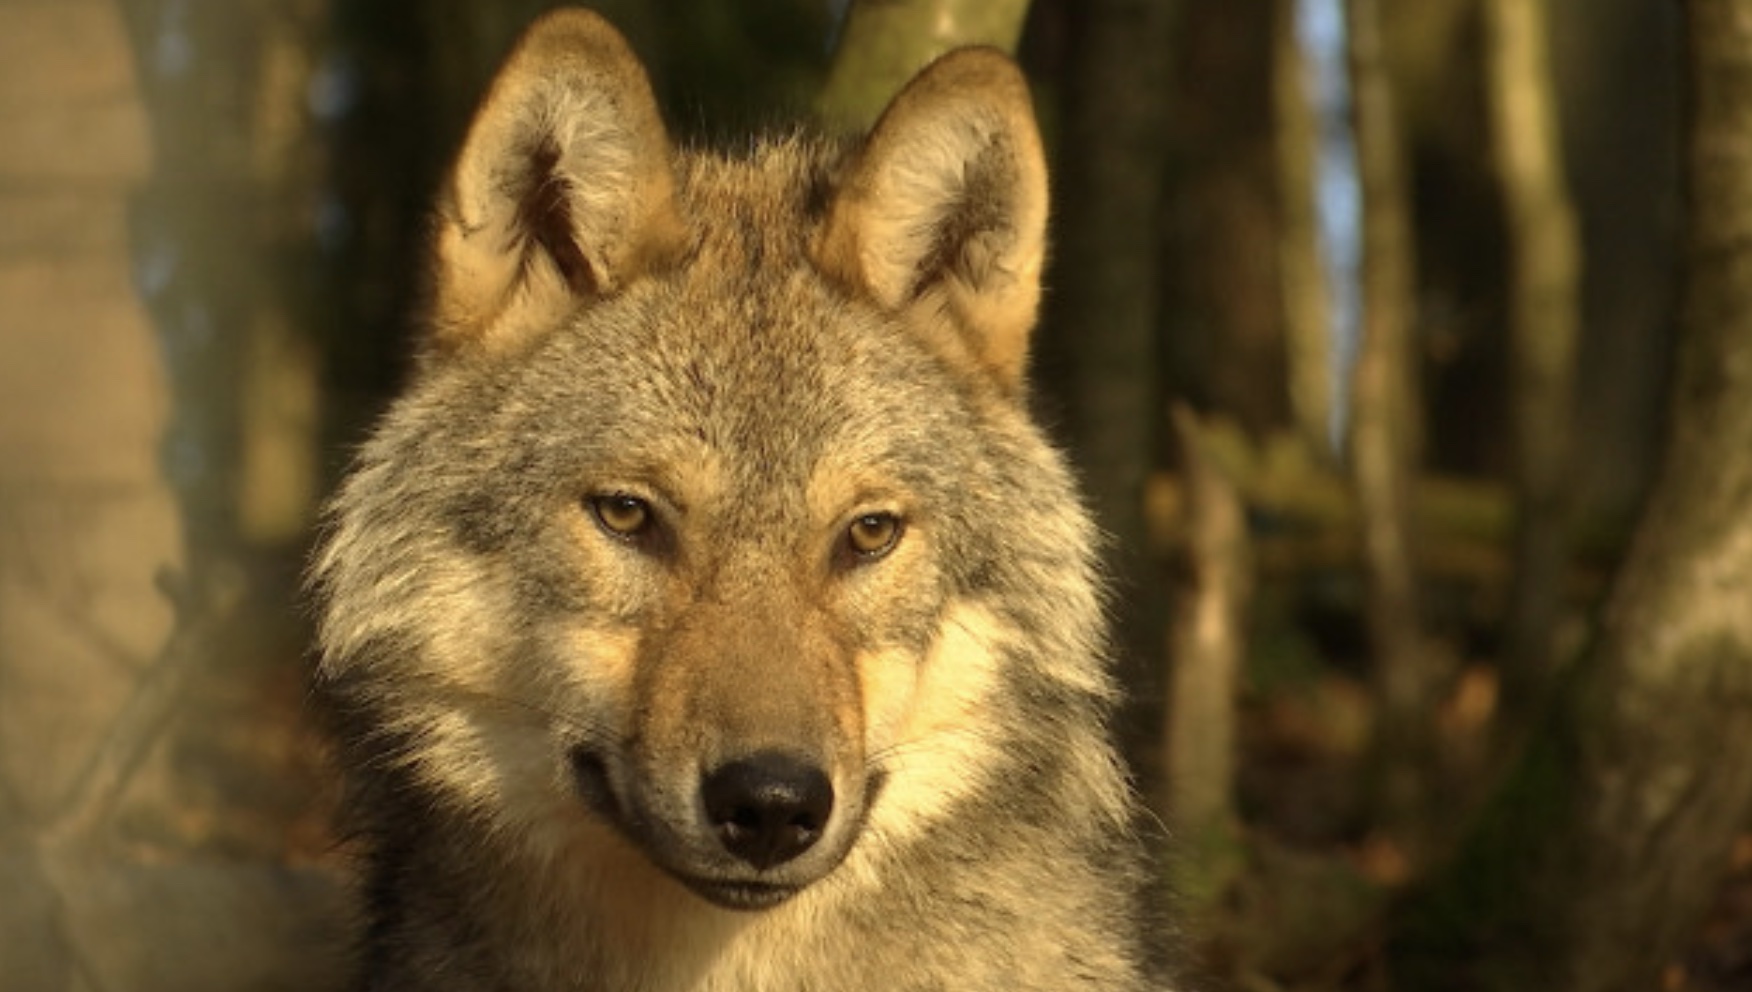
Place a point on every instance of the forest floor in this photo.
(1310, 912)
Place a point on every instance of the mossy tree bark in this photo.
(1603, 850)
(884, 42)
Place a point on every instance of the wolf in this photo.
(709, 615)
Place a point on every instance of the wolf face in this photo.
(713, 536)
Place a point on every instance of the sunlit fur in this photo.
(762, 346)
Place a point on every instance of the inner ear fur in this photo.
(944, 209)
(562, 192)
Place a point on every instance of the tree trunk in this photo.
(1103, 311)
(1616, 61)
(1223, 341)
(1606, 845)
(1542, 286)
(87, 522)
(882, 45)
(1383, 440)
(1306, 298)
(1209, 647)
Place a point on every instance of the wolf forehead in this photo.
(740, 342)
(744, 317)
(757, 208)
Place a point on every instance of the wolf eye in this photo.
(873, 535)
(621, 515)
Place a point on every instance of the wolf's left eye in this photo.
(621, 515)
(873, 535)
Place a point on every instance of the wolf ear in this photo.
(562, 192)
(945, 208)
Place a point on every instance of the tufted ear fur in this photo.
(944, 209)
(562, 192)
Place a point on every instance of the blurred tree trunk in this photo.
(1542, 285)
(144, 827)
(1306, 299)
(1384, 439)
(884, 42)
(1604, 848)
(1220, 348)
(87, 521)
(1103, 311)
(1209, 647)
(1616, 61)
(1224, 342)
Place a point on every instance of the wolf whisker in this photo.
(886, 757)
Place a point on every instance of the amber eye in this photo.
(873, 534)
(621, 515)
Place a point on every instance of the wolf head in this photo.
(714, 526)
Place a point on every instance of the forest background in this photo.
(1405, 351)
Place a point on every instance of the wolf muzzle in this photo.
(752, 832)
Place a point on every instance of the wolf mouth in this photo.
(590, 773)
(742, 896)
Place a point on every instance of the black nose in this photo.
(768, 808)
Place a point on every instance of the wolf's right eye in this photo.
(873, 535)
(621, 515)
